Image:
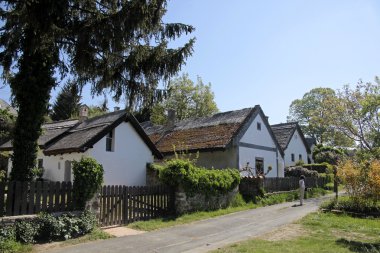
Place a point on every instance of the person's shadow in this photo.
(295, 205)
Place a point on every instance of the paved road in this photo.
(205, 235)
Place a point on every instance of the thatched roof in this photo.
(212, 133)
(284, 133)
(74, 136)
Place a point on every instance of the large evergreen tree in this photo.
(118, 45)
(67, 103)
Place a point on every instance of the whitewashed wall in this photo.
(54, 166)
(218, 159)
(126, 165)
(296, 147)
(263, 139)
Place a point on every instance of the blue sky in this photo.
(271, 52)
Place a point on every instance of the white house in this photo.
(224, 140)
(116, 140)
(292, 141)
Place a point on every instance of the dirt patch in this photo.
(287, 232)
(351, 236)
(122, 231)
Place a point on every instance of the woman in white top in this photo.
(302, 188)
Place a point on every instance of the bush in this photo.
(361, 179)
(319, 167)
(331, 155)
(238, 201)
(355, 205)
(26, 231)
(88, 179)
(298, 171)
(193, 179)
(47, 228)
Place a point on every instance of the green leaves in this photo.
(193, 179)
(88, 178)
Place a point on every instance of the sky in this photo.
(271, 52)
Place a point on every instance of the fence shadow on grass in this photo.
(360, 247)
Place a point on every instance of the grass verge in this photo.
(322, 232)
(238, 205)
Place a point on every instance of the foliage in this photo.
(88, 178)
(94, 111)
(187, 99)
(118, 46)
(361, 179)
(26, 231)
(38, 172)
(312, 112)
(2, 175)
(299, 163)
(67, 102)
(297, 171)
(7, 121)
(354, 205)
(356, 113)
(47, 228)
(327, 154)
(199, 180)
(319, 167)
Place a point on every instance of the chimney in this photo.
(83, 113)
(116, 108)
(171, 117)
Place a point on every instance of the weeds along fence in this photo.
(252, 186)
(21, 198)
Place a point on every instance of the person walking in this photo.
(302, 188)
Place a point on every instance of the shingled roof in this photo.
(201, 134)
(284, 133)
(74, 136)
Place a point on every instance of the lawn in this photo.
(317, 232)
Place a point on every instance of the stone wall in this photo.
(201, 202)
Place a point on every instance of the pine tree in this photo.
(117, 45)
(67, 102)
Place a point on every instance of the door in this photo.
(67, 176)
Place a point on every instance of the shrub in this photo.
(355, 205)
(327, 154)
(319, 167)
(7, 233)
(237, 201)
(88, 179)
(361, 179)
(193, 179)
(298, 171)
(26, 231)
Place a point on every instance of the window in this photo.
(259, 126)
(300, 157)
(40, 163)
(292, 157)
(259, 165)
(110, 141)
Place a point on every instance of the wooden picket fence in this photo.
(121, 205)
(20, 198)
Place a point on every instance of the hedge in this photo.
(194, 179)
(319, 167)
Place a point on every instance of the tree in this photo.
(117, 45)
(67, 103)
(7, 121)
(356, 113)
(313, 113)
(187, 99)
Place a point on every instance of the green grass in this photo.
(13, 247)
(324, 232)
(238, 206)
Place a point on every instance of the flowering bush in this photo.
(362, 179)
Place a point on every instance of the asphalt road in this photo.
(205, 235)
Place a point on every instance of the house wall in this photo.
(54, 166)
(260, 144)
(126, 165)
(297, 147)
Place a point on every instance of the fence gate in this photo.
(120, 205)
